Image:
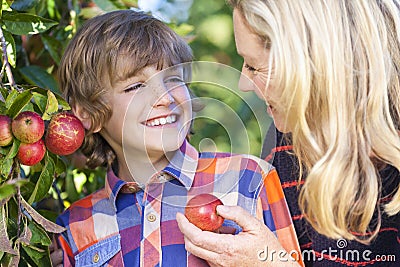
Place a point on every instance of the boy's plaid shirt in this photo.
(116, 226)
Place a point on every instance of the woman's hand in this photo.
(248, 248)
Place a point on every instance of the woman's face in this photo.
(257, 74)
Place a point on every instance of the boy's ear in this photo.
(84, 118)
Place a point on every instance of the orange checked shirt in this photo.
(118, 227)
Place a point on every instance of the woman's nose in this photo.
(245, 83)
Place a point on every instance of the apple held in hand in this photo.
(28, 127)
(65, 134)
(201, 211)
(31, 154)
(6, 136)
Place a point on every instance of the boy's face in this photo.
(151, 116)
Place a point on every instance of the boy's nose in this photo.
(163, 97)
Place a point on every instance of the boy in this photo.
(137, 129)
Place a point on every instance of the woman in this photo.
(330, 74)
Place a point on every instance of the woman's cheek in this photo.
(260, 83)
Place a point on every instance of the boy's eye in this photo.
(250, 68)
(174, 81)
(134, 87)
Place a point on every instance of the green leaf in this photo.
(53, 46)
(3, 108)
(11, 50)
(24, 5)
(28, 107)
(6, 190)
(70, 187)
(19, 103)
(27, 188)
(10, 260)
(59, 164)
(4, 151)
(37, 76)
(5, 243)
(11, 97)
(39, 236)
(61, 101)
(5, 166)
(44, 182)
(22, 23)
(4, 92)
(51, 105)
(34, 253)
(6, 5)
(28, 258)
(46, 224)
(40, 101)
(14, 149)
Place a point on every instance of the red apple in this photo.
(6, 136)
(31, 154)
(65, 134)
(201, 211)
(28, 127)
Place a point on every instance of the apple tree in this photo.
(33, 34)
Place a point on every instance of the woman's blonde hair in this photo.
(338, 66)
(107, 48)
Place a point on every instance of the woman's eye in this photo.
(250, 68)
(134, 87)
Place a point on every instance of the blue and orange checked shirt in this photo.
(120, 226)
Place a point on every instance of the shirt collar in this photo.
(182, 166)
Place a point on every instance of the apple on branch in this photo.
(6, 136)
(28, 127)
(65, 134)
(31, 154)
(201, 210)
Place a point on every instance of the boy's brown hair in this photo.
(110, 48)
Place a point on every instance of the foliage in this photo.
(32, 35)
(36, 33)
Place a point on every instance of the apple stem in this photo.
(7, 65)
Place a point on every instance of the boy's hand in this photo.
(231, 250)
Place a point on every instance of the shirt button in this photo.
(96, 258)
(132, 189)
(151, 217)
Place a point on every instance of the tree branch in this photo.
(10, 77)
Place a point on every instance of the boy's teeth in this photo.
(162, 121)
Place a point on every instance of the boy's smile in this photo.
(151, 117)
(162, 120)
